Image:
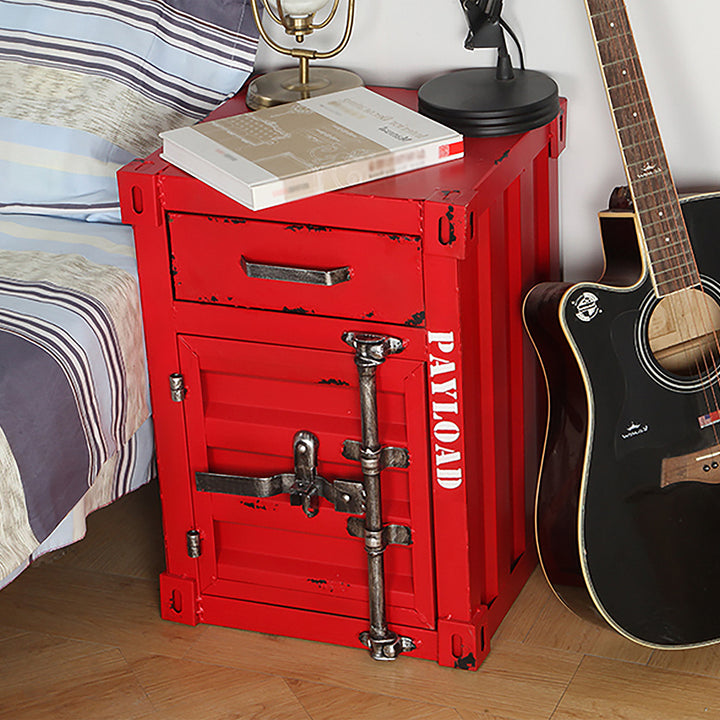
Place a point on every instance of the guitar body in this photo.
(628, 499)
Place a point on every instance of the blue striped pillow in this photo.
(87, 85)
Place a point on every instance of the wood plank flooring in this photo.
(81, 639)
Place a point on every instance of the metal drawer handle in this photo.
(308, 276)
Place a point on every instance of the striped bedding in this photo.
(85, 87)
(75, 432)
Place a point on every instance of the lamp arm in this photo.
(345, 38)
(330, 16)
(302, 52)
(271, 12)
(258, 22)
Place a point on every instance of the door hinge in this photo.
(193, 543)
(177, 387)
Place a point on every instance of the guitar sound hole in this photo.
(684, 333)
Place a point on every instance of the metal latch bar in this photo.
(304, 486)
(346, 495)
(370, 352)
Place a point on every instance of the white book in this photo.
(304, 148)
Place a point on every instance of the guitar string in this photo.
(672, 203)
(671, 225)
(646, 116)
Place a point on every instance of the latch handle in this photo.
(304, 486)
(304, 491)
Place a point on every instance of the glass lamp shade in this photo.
(302, 8)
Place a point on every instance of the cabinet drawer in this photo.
(297, 268)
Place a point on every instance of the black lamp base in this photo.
(475, 103)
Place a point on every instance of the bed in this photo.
(85, 87)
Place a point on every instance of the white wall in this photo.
(405, 42)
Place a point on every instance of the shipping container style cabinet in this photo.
(348, 414)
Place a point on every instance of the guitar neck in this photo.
(671, 260)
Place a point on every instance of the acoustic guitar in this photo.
(628, 500)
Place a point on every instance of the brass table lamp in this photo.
(298, 19)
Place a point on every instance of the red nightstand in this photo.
(253, 374)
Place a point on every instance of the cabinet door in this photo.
(245, 401)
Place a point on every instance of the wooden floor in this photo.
(81, 639)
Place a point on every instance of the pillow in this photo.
(86, 86)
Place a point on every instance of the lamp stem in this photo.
(504, 65)
(304, 68)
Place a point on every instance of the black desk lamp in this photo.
(485, 102)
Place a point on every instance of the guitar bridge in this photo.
(702, 466)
